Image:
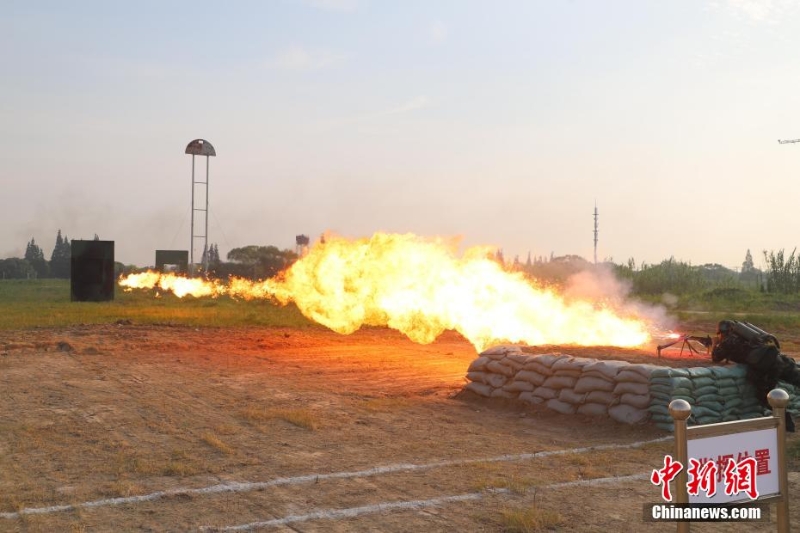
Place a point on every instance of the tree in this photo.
(35, 258)
(61, 257)
(262, 261)
(16, 268)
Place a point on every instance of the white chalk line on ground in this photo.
(352, 512)
(235, 486)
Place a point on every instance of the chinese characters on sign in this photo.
(738, 475)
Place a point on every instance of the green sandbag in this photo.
(702, 391)
(714, 404)
(704, 382)
(699, 371)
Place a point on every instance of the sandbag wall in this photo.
(716, 394)
(631, 393)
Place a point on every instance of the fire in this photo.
(421, 287)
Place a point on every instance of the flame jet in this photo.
(421, 287)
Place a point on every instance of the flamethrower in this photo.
(688, 342)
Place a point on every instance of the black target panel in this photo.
(92, 276)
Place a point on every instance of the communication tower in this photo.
(595, 232)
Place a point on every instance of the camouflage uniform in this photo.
(765, 364)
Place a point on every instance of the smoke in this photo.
(600, 285)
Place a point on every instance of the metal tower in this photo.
(595, 232)
(200, 147)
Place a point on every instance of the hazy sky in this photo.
(502, 122)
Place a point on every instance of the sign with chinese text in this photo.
(733, 468)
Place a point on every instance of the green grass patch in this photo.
(46, 303)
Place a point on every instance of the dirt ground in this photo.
(159, 428)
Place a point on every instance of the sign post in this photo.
(761, 442)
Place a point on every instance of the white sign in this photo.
(761, 445)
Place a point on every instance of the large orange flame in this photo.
(421, 287)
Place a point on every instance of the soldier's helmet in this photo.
(724, 328)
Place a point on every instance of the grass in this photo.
(46, 303)
(302, 418)
(215, 442)
(529, 519)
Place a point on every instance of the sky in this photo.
(503, 123)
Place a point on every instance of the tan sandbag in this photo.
(496, 380)
(587, 384)
(479, 377)
(626, 375)
(539, 368)
(528, 397)
(562, 407)
(531, 377)
(545, 392)
(570, 396)
(560, 382)
(511, 363)
(479, 364)
(639, 401)
(500, 393)
(518, 386)
(609, 369)
(497, 368)
(631, 388)
(602, 397)
(479, 388)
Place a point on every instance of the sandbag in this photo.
(570, 396)
(533, 366)
(479, 388)
(498, 350)
(499, 368)
(699, 371)
(608, 369)
(518, 386)
(519, 358)
(496, 380)
(560, 382)
(511, 363)
(549, 359)
(571, 363)
(631, 387)
(639, 401)
(531, 377)
(530, 398)
(478, 364)
(562, 407)
(700, 383)
(627, 375)
(480, 377)
(588, 383)
(601, 397)
(500, 393)
(545, 392)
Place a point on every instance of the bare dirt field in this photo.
(160, 428)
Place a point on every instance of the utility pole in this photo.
(595, 232)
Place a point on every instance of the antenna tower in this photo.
(595, 232)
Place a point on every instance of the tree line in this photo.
(781, 274)
(34, 265)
